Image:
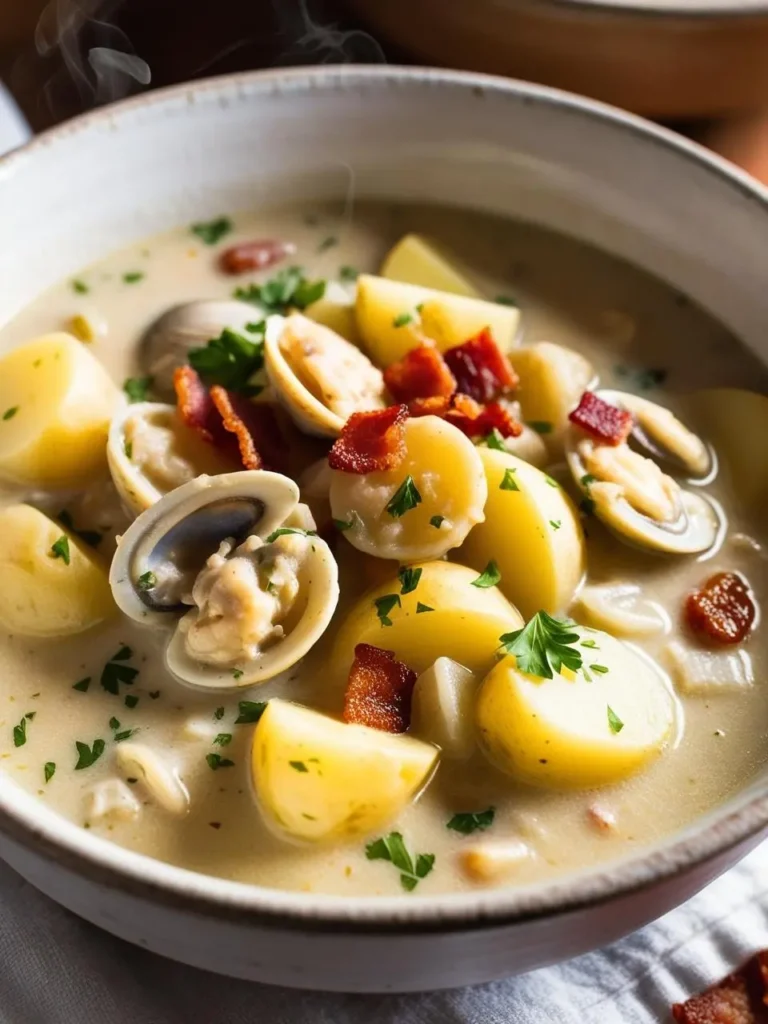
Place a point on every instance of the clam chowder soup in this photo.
(412, 551)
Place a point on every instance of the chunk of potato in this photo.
(41, 595)
(393, 318)
(577, 730)
(415, 261)
(336, 310)
(447, 473)
(318, 779)
(552, 379)
(532, 531)
(443, 709)
(56, 402)
(457, 620)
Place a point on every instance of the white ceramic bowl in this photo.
(587, 170)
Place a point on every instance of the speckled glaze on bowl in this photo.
(474, 141)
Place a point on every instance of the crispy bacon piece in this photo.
(421, 373)
(481, 369)
(379, 690)
(253, 426)
(723, 608)
(469, 416)
(245, 256)
(370, 441)
(605, 422)
(741, 998)
(196, 408)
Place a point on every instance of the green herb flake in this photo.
(472, 821)
(283, 531)
(114, 724)
(114, 672)
(154, 694)
(137, 388)
(328, 243)
(405, 498)
(230, 360)
(437, 521)
(20, 733)
(82, 686)
(494, 440)
(505, 300)
(409, 578)
(550, 481)
(508, 482)
(541, 426)
(222, 739)
(237, 673)
(392, 848)
(80, 287)
(543, 646)
(87, 756)
(212, 231)
(489, 577)
(147, 581)
(421, 608)
(218, 714)
(348, 274)
(589, 643)
(614, 722)
(133, 276)
(60, 549)
(131, 701)
(555, 523)
(216, 761)
(49, 770)
(384, 606)
(587, 480)
(287, 288)
(128, 449)
(402, 319)
(600, 669)
(298, 766)
(10, 413)
(250, 711)
(124, 735)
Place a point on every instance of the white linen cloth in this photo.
(57, 969)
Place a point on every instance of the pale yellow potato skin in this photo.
(555, 732)
(465, 625)
(64, 400)
(42, 595)
(446, 319)
(552, 380)
(541, 565)
(356, 780)
(414, 261)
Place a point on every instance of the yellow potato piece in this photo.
(560, 732)
(317, 779)
(464, 623)
(447, 473)
(415, 261)
(41, 595)
(532, 531)
(56, 402)
(336, 310)
(552, 380)
(447, 319)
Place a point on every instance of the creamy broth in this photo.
(640, 336)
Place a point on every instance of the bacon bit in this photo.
(379, 690)
(605, 422)
(195, 407)
(371, 441)
(421, 373)
(601, 818)
(255, 427)
(469, 416)
(239, 259)
(740, 998)
(481, 369)
(723, 608)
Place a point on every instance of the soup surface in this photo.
(204, 791)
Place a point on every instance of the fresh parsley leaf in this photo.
(437, 521)
(237, 673)
(49, 770)
(114, 724)
(287, 288)
(494, 440)
(250, 711)
(328, 243)
(423, 608)
(392, 848)
(216, 761)
(348, 274)
(60, 549)
(589, 643)
(124, 654)
(218, 714)
(137, 388)
(222, 739)
(133, 276)
(86, 756)
(212, 231)
(128, 449)
(83, 685)
(404, 499)
(20, 733)
(298, 766)
(147, 581)
(555, 523)
(543, 646)
(342, 524)
(115, 673)
(615, 724)
(384, 606)
(409, 578)
(229, 360)
(80, 287)
(505, 300)
(600, 669)
(489, 577)
(587, 480)
(10, 413)
(284, 530)
(508, 482)
(131, 700)
(402, 319)
(124, 735)
(541, 426)
(472, 821)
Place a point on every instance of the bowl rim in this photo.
(39, 830)
(666, 10)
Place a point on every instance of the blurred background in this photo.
(700, 66)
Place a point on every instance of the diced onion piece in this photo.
(621, 609)
(443, 706)
(413, 260)
(161, 782)
(111, 798)
(698, 671)
(493, 859)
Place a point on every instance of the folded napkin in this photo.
(56, 969)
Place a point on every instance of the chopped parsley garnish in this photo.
(402, 319)
(404, 499)
(392, 848)
(587, 480)
(60, 549)
(114, 672)
(86, 756)
(89, 537)
(222, 739)
(124, 735)
(550, 481)
(230, 360)
(49, 770)
(298, 766)
(384, 606)
(80, 287)
(20, 731)
(114, 724)
(409, 578)
(342, 524)
(541, 426)
(348, 274)
(131, 700)
(544, 646)
(472, 821)
(212, 231)
(216, 761)
(133, 276)
(328, 243)
(137, 388)
(250, 711)
(10, 413)
(600, 669)
(282, 531)
(147, 581)
(494, 440)
(489, 577)
(437, 521)
(218, 714)
(83, 685)
(508, 482)
(287, 288)
(128, 449)
(589, 643)
(614, 722)
(237, 673)
(505, 300)
(423, 608)
(555, 523)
